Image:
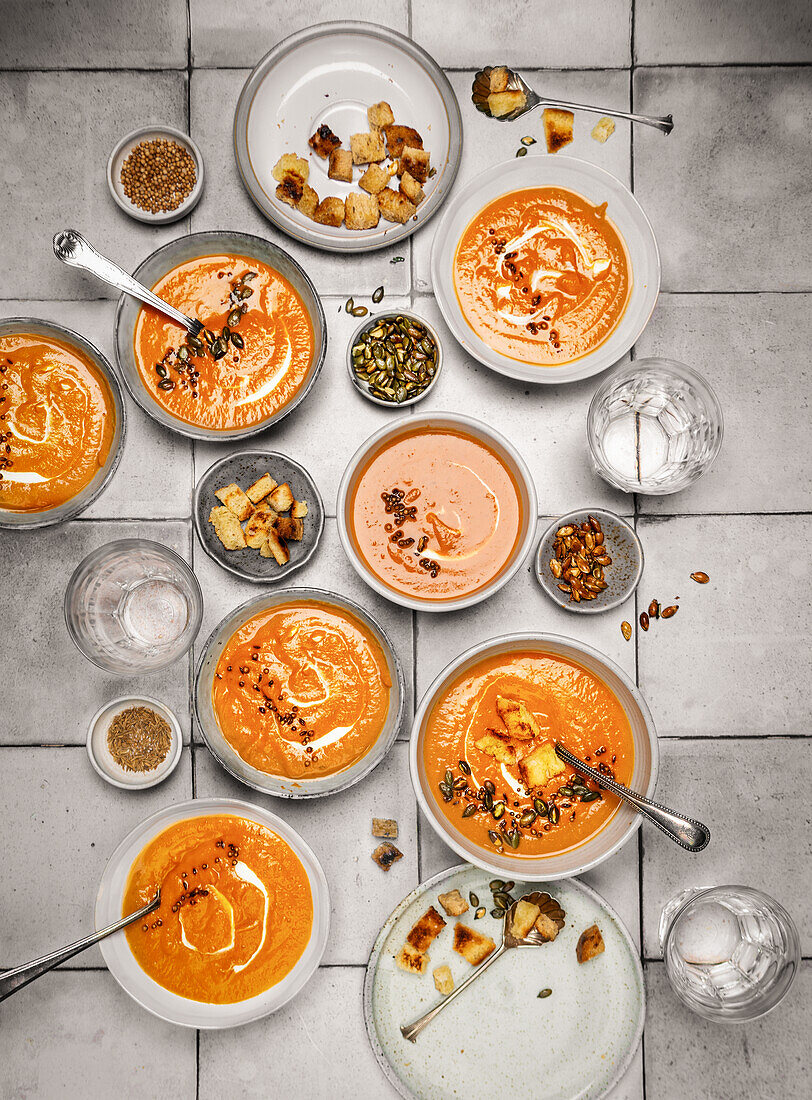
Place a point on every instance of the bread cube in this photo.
(496, 744)
(540, 766)
(227, 528)
(398, 137)
(524, 917)
(289, 528)
(426, 930)
(340, 167)
(275, 548)
(260, 489)
(361, 211)
(309, 201)
(374, 179)
(473, 946)
(412, 961)
(291, 190)
(367, 148)
(291, 165)
(235, 500)
(454, 903)
(330, 211)
(324, 141)
(443, 981)
(411, 189)
(557, 128)
(256, 530)
(499, 78)
(505, 103)
(394, 206)
(518, 720)
(416, 162)
(546, 927)
(380, 115)
(281, 498)
(590, 943)
(603, 130)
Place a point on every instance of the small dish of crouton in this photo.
(258, 514)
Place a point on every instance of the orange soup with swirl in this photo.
(302, 690)
(542, 275)
(236, 909)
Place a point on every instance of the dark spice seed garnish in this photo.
(377, 294)
(544, 993)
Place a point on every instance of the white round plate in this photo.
(330, 74)
(595, 185)
(153, 997)
(497, 1038)
(101, 758)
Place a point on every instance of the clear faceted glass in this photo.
(654, 427)
(133, 606)
(731, 953)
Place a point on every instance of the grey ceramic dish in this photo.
(122, 151)
(371, 322)
(245, 468)
(181, 251)
(622, 576)
(28, 520)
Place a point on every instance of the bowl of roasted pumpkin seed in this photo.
(394, 358)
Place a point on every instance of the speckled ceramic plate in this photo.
(498, 1038)
(245, 468)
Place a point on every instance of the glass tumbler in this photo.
(133, 606)
(731, 953)
(654, 427)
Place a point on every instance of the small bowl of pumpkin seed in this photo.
(394, 358)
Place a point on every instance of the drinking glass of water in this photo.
(654, 427)
(730, 952)
(133, 606)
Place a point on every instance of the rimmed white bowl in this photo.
(592, 183)
(614, 834)
(230, 758)
(123, 149)
(406, 425)
(102, 759)
(148, 993)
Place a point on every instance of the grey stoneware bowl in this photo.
(27, 520)
(370, 323)
(245, 468)
(622, 576)
(181, 251)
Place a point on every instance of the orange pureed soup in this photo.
(502, 761)
(58, 422)
(236, 909)
(302, 690)
(542, 275)
(265, 362)
(435, 514)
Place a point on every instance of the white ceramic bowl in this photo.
(620, 827)
(592, 183)
(102, 759)
(148, 993)
(123, 150)
(475, 428)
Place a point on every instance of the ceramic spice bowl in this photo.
(404, 320)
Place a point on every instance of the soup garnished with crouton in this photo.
(489, 755)
(542, 275)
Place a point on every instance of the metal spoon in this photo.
(72, 249)
(15, 979)
(481, 87)
(689, 834)
(532, 939)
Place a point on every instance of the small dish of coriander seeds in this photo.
(155, 174)
(134, 742)
(394, 358)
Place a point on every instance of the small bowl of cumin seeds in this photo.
(155, 174)
(134, 742)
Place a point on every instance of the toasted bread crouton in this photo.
(380, 115)
(361, 211)
(291, 165)
(603, 129)
(308, 202)
(454, 903)
(540, 766)
(386, 827)
(281, 498)
(227, 528)
(416, 162)
(291, 190)
(518, 720)
(330, 211)
(275, 548)
(473, 946)
(397, 137)
(374, 179)
(557, 128)
(235, 500)
(260, 489)
(546, 927)
(256, 530)
(289, 528)
(324, 141)
(495, 743)
(443, 982)
(394, 206)
(367, 148)
(505, 103)
(340, 165)
(499, 78)
(411, 960)
(426, 930)
(411, 189)
(385, 855)
(590, 943)
(298, 509)
(524, 917)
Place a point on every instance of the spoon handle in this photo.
(411, 1031)
(71, 248)
(691, 835)
(665, 123)
(12, 980)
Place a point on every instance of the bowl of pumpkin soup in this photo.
(545, 268)
(484, 766)
(243, 919)
(299, 693)
(261, 348)
(62, 423)
(436, 512)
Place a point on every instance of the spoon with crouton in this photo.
(532, 921)
(15, 979)
(501, 93)
(691, 835)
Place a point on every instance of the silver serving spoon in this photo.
(689, 834)
(481, 90)
(12, 980)
(72, 249)
(532, 939)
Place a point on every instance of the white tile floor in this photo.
(727, 679)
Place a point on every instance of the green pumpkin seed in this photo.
(244, 292)
(464, 766)
(166, 384)
(234, 317)
(349, 305)
(237, 340)
(508, 887)
(208, 336)
(498, 810)
(514, 838)
(521, 152)
(528, 141)
(489, 786)
(495, 838)
(540, 807)
(591, 796)
(500, 899)
(360, 311)
(487, 800)
(497, 913)
(496, 884)
(183, 352)
(460, 783)
(470, 810)
(248, 276)
(480, 913)
(544, 994)
(554, 815)
(474, 900)
(377, 295)
(527, 818)
(195, 341)
(449, 776)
